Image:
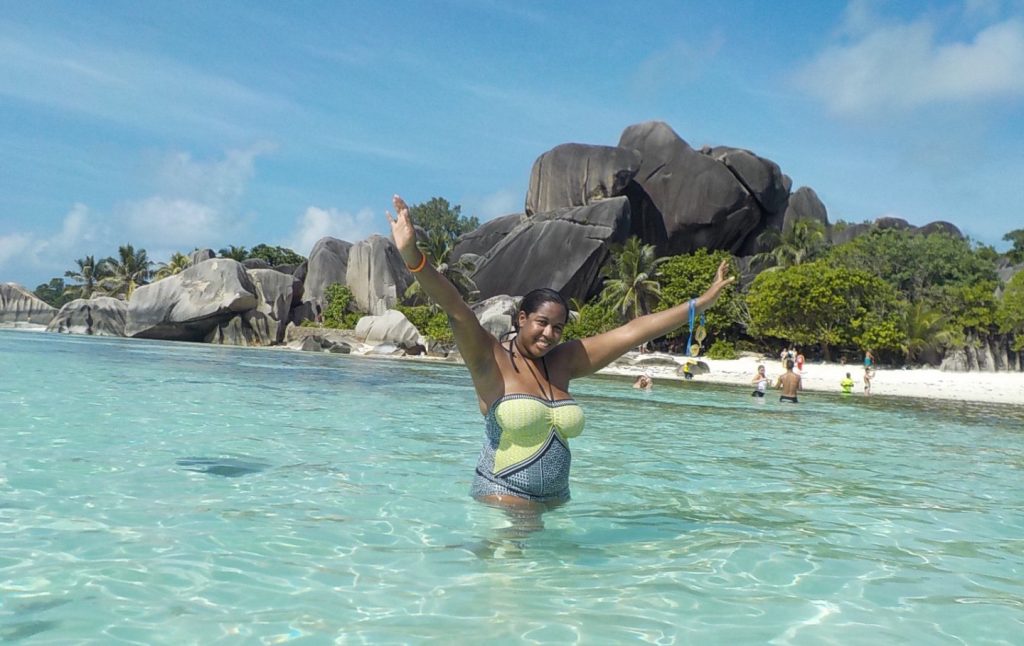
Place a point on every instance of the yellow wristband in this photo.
(419, 267)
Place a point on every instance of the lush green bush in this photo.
(338, 313)
(815, 303)
(593, 318)
(721, 349)
(431, 323)
(1010, 315)
(687, 276)
(276, 255)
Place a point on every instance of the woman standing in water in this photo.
(522, 385)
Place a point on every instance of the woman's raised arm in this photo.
(593, 353)
(474, 342)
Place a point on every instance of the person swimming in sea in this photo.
(522, 384)
(760, 382)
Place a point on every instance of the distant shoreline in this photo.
(923, 383)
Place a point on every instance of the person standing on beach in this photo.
(522, 385)
(789, 382)
(868, 375)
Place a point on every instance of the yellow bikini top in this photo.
(527, 424)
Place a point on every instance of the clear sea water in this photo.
(161, 493)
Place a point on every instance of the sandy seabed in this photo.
(928, 383)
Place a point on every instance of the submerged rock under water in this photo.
(226, 467)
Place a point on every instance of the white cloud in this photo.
(317, 223)
(903, 67)
(51, 254)
(487, 207)
(196, 201)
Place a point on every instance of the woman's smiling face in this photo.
(541, 330)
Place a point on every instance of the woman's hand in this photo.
(403, 233)
(722, 279)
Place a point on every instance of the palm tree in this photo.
(126, 273)
(925, 328)
(631, 286)
(88, 275)
(438, 251)
(178, 263)
(796, 244)
(233, 252)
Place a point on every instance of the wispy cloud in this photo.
(52, 253)
(196, 201)
(317, 223)
(487, 207)
(129, 88)
(902, 67)
(680, 62)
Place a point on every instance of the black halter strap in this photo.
(536, 378)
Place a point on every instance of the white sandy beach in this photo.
(928, 383)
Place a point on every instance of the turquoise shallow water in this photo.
(178, 493)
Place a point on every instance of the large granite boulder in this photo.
(497, 313)
(389, 327)
(199, 255)
(682, 200)
(804, 204)
(98, 316)
(251, 328)
(327, 265)
(18, 306)
(563, 250)
(577, 175)
(486, 236)
(377, 275)
(255, 263)
(189, 305)
(276, 294)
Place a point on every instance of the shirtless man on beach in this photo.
(789, 382)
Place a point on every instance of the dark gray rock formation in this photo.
(377, 275)
(98, 316)
(563, 250)
(250, 328)
(18, 306)
(190, 305)
(486, 236)
(327, 264)
(577, 175)
(804, 204)
(682, 200)
(276, 294)
(255, 263)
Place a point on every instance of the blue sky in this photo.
(202, 124)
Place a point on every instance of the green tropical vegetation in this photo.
(275, 255)
(86, 276)
(441, 220)
(631, 285)
(800, 242)
(178, 263)
(687, 276)
(340, 313)
(1016, 253)
(1010, 314)
(431, 322)
(122, 275)
(234, 253)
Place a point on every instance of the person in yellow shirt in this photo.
(847, 384)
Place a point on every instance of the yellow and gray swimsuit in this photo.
(526, 450)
